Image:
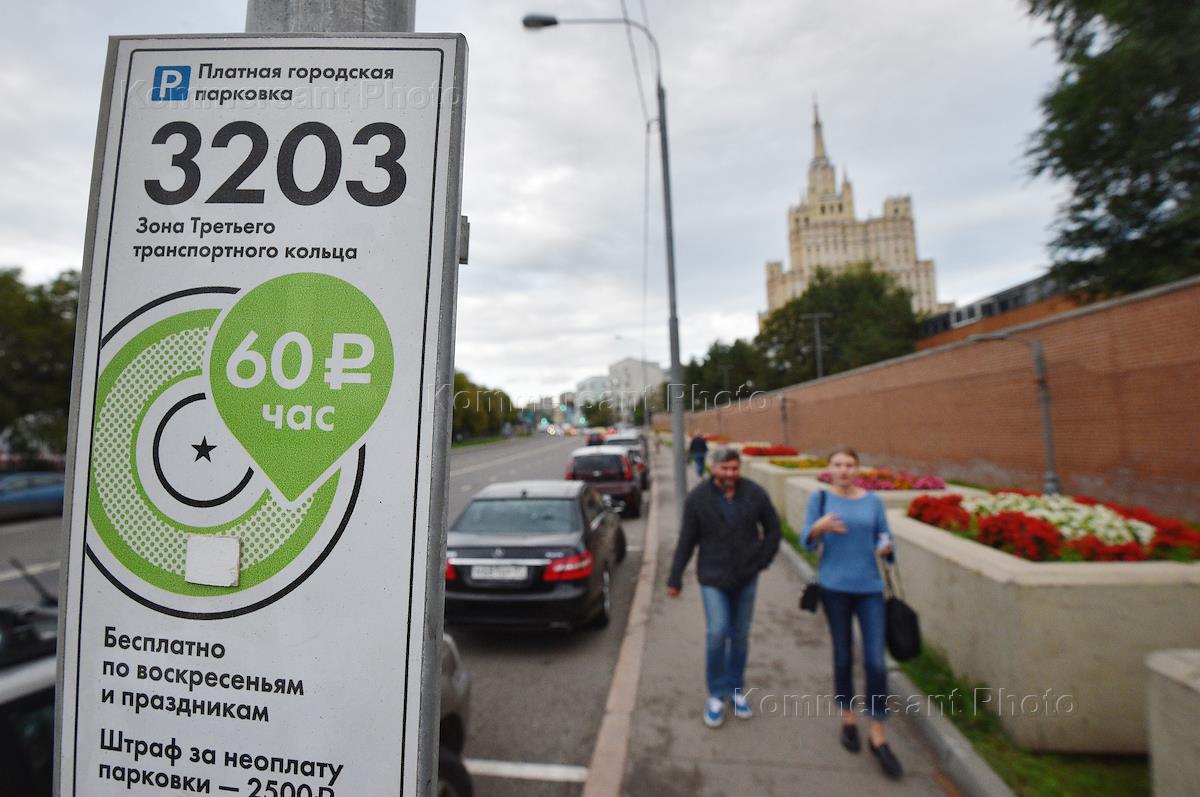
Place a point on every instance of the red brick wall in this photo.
(1124, 382)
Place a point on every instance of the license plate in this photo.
(499, 572)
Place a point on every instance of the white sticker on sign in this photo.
(212, 560)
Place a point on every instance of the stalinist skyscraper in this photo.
(824, 233)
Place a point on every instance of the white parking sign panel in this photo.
(256, 497)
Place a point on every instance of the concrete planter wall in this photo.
(802, 484)
(774, 477)
(1173, 716)
(1061, 646)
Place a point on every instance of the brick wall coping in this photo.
(1088, 309)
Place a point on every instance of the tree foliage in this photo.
(726, 373)
(37, 338)
(871, 319)
(598, 413)
(479, 410)
(1122, 127)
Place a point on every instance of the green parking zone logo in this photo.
(241, 416)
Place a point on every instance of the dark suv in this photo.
(635, 446)
(612, 472)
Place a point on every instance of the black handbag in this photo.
(810, 599)
(902, 624)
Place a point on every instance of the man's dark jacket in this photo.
(729, 556)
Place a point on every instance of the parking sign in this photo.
(260, 421)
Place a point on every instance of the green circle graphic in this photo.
(139, 535)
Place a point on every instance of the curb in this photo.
(606, 770)
(957, 758)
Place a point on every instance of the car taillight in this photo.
(628, 471)
(451, 573)
(569, 568)
(571, 471)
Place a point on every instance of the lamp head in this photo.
(539, 21)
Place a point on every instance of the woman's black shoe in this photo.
(887, 760)
(850, 738)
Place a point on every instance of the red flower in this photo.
(1094, 549)
(1021, 535)
(944, 511)
(769, 451)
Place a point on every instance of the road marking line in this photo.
(607, 767)
(632, 548)
(556, 773)
(33, 570)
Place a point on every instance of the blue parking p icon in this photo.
(170, 83)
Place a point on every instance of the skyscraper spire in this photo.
(818, 137)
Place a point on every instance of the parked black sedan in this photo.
(535, 553)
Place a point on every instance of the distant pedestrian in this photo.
(732, 521)
(698, 448)
(848, 523)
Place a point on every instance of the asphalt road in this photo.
(537, 697)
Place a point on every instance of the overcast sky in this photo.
(935, 99)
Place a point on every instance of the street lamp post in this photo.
(539, 21)
(816, 319)
(1051, 484)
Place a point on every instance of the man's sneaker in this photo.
(714, 712)
(741, 709)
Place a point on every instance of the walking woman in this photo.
(848, 523)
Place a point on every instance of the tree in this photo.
(871, 319)
(728, 372)
(37, 338)
(1122, 127)
(598, 413)
(479, 410)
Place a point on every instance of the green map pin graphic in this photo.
(300, 368)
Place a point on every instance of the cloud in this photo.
(934, 99)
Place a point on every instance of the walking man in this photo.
(733, 522)
(698, 448)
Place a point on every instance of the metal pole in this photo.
(338, 16)
(816, 319)
(677, 430)
(817, 336)
(674, 399)
(1051, 485)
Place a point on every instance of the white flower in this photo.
(1072, 519)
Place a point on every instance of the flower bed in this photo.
(802, 463)
(887, 479)
(1047, 528)
(769, 451)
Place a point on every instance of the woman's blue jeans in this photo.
(727, 613)
(840, 609)
(698, 459)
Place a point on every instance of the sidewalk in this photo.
(791, 745)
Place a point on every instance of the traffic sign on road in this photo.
(256, 498)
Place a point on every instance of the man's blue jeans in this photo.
(840, 608)
(727, 613)
(699, 460)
